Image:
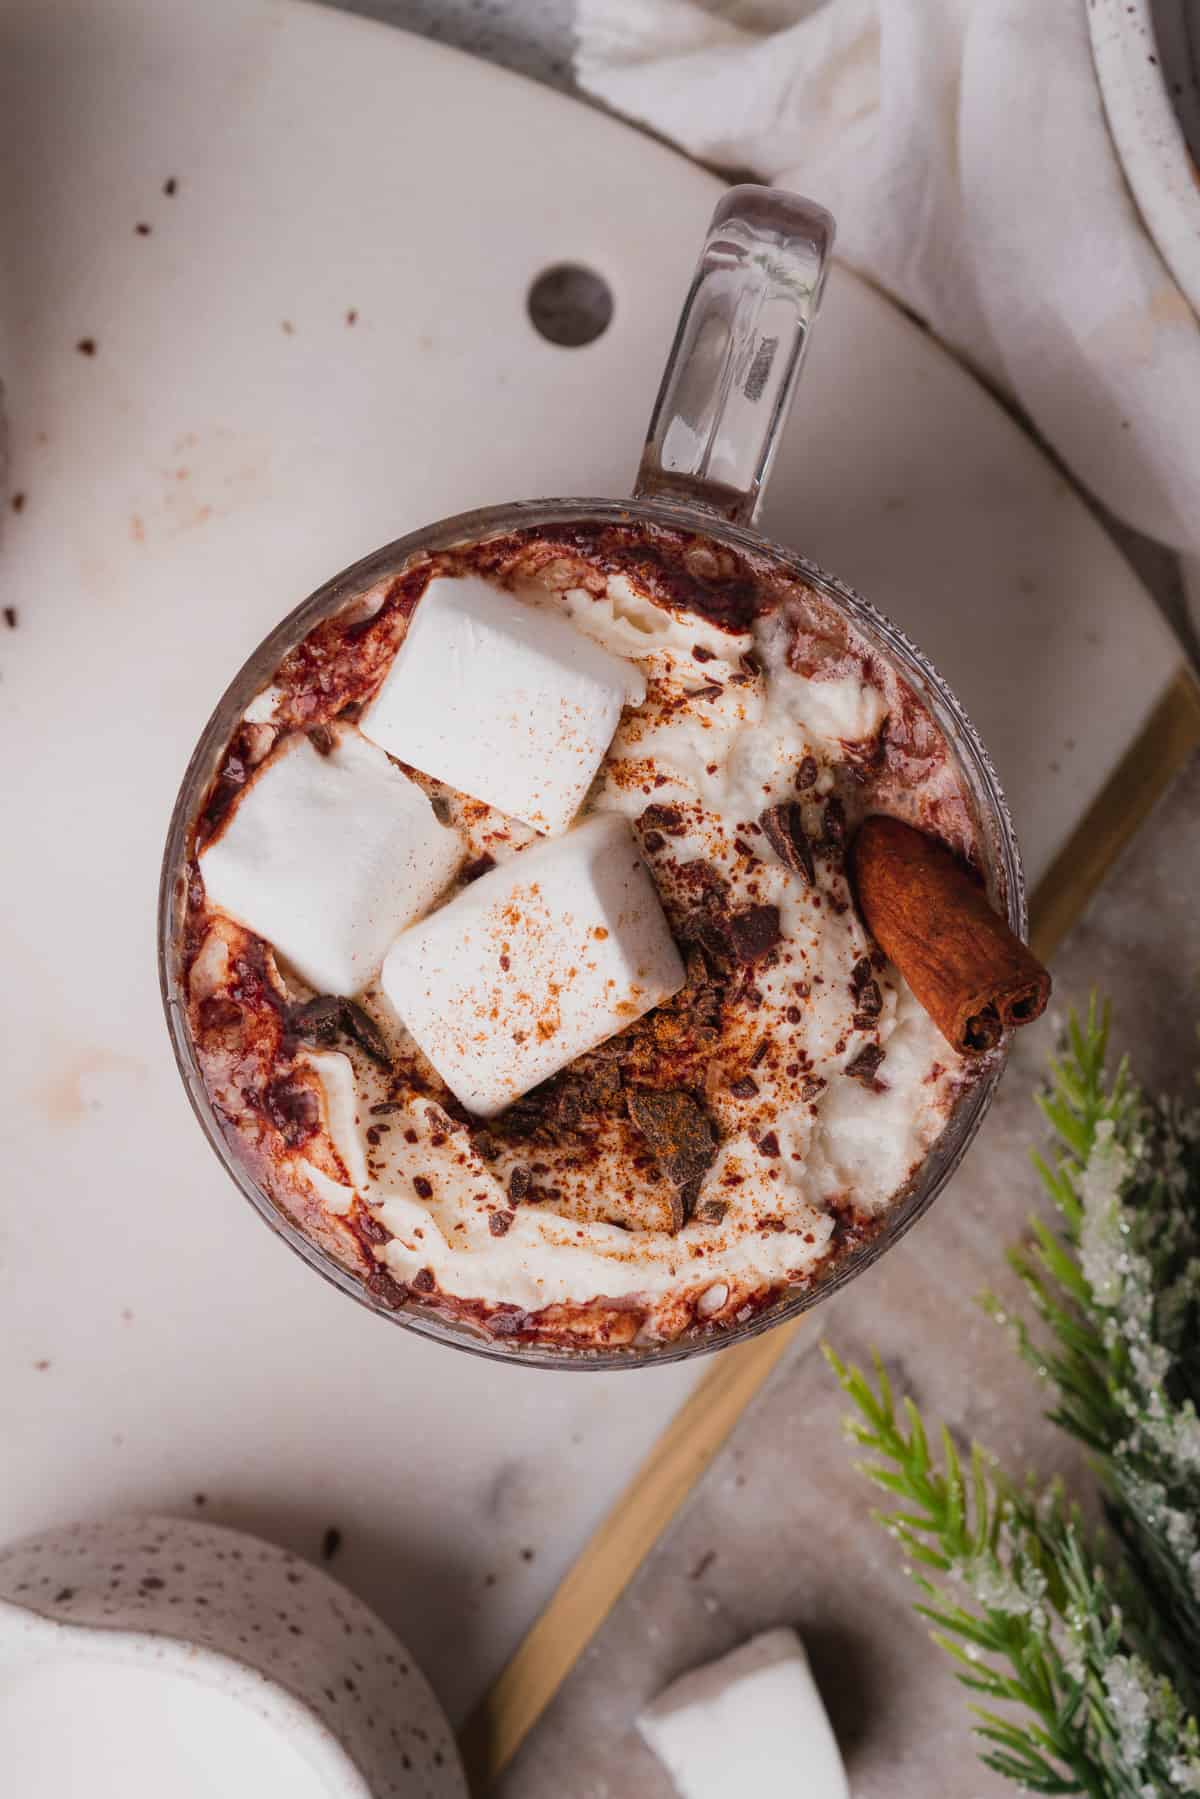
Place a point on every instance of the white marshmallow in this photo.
(535, 963)
(751, 1722)
(506, 701)
(327, 857)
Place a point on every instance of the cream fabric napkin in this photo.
(961, 145)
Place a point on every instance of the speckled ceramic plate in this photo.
(150, 1655)
(1148, 61)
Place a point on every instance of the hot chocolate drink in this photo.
(523, 962)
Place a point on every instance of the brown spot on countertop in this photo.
(331, 1542)
(288, 329)
(42, 1366)
(352, 316)
(86, 346)
(10, 617)
(142, 229)
(171, 186)
(18, 502)
(137, 529)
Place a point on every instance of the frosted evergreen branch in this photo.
(1025, 1607)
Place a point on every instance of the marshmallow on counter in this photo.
(751, 1722)
(506, 701)
(328, 856)
(535, 963)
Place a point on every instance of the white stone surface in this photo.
(751, 1722)
(328, 856)
(125, 1335)
(535, 963)
(506, 701)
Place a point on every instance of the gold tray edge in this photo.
(525, 1687)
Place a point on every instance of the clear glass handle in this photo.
(729, 380)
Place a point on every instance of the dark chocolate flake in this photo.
(500, 1223)
(663, 818)
(712, 1211)
(768, 1144)
(386, 1289)
(323, 1020)
(754, 933)
(518, 1184)
(423, 1188)
(745, 1088)
(423, 1281)
(481, 865)
(865, 1065)
(806, 774)
(784, 829)
(681, 1137)
(834, 824)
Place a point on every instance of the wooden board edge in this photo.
(495, 1731)
(1162, 746)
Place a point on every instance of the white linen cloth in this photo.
(962, 147)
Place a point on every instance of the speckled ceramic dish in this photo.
(145, 1655)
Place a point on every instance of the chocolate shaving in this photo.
(760, 1052)
(423, 1281)
(784, 829)
(481, 865)
(323, 1020)
(806, 774)
(499, 1223)
(834, 824)
(518, 1184)
(386, 1289)
(865, 1065)
(712, 1211)
(870, 1000)
(753, 933)
(663, 818)
(769, 1144)
(682, 1139)
(745, 1088)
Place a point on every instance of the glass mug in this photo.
(715, 427)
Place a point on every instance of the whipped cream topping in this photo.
(823, 1083)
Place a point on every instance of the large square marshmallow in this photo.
(506, 701)
(752, 1722)
(328, 857)
(535, 963)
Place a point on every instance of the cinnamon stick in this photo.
(973, 976)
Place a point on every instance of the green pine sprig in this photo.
(1094, 1647)
(1020, 1598)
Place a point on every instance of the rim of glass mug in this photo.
(713, 433)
